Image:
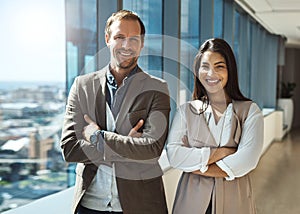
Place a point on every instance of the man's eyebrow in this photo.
(119, 34)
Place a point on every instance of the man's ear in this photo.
(142, 44)
(107, 37)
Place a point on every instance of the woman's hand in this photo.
(219, 153)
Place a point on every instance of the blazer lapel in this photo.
(133, 91)
(100, 105)
(205, 137)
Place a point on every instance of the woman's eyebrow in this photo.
(220, 62)
(204, 63)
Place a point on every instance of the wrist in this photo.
(94, 138)
(212, 156)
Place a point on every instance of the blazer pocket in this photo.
(135, 116)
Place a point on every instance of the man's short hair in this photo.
(124, 14)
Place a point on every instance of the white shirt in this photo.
(236, 165)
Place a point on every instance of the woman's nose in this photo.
(210, 72)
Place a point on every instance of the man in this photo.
(115, 127)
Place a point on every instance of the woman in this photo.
(216, 139)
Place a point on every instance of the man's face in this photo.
(125, 43)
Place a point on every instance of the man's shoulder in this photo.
(84, 78)
(153, 83)
(153, 80)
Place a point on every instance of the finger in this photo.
(88, 119)
(137, 134)
(139, 125)
(83, 134)
(184, 139)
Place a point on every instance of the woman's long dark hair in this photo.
(232, 87)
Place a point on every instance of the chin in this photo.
(127, 65)
(215, 90)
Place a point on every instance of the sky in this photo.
(32, 40)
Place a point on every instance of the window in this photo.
(255, 50)
(31, 109)
(218, 18)
(151, 14)
(32, 100)
(81, 36)
(189, 45)
(236, 36)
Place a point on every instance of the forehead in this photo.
(125, 27)
(212, 57)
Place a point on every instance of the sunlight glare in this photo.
(35, 27)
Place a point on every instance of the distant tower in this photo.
(34, 150)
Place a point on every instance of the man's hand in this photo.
(134, 131)
(90, 128)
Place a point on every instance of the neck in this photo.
(120, 73)
(219, 103)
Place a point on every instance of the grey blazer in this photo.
(138, 173)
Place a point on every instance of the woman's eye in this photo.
(204, 68)
(221, 67)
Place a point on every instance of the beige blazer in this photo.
(138, 173)
(194, 192)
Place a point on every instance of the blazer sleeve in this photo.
(74, 147)
(147, 148)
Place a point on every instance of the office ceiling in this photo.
(278, 16)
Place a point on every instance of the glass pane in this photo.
(81, 36)
(32, 100)
(218, 18)
(190, 30)
(151, 14)
(236, 38)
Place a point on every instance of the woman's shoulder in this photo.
(247, 108)
(245, 104)
(195, 106)
(255, 109)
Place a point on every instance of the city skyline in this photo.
(32, 41)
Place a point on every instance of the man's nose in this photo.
(125, 43)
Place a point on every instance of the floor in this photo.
(276, 180)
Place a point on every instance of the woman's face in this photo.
(213, 73)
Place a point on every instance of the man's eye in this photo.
(134, 39)
(119, 37)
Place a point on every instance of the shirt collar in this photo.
(111, 79)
